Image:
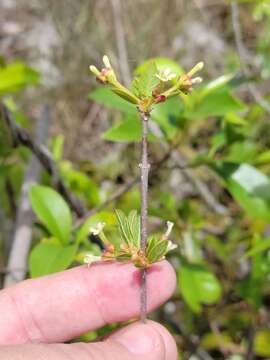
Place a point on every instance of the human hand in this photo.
(37, 315)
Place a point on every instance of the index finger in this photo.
(62, 306)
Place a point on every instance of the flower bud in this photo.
(106, 62)
(198, 67)
(160, 99)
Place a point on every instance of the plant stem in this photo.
(144, 166)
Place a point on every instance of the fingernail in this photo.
(140, 339)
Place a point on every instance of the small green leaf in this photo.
(52, 211)
(144, 83)
(123, 226)
(156, 249)
(198, 286)
(106, 97)
(216, 84)
(15, 76)
(249, 186)
(48, 258)
(262, 343)
(260, 246)
(216, 103)
(134, 225)
(162, 63)
(124, 95)
(126, 131)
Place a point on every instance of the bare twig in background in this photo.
(120, 40)
(241, 50)
(21, 242)
(11, 196)
(250, 341)
(21, 137)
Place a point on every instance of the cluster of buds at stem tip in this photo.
(107, 74)
(156, 250)
(187, 81)
(169, 84)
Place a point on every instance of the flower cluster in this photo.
(128, 246)
(163, 84)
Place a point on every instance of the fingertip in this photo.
(149, 339)
(169, 342)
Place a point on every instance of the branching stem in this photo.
(144, 167)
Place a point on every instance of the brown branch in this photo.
(144, 167)
(21, 137)
(241, 50)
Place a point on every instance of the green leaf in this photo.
(134, 225)
(262, 343)
(198, 286)
(156, 249)
(162, 63)
(144, 83)
(168, 116)
(106, 97)
(80, 184)
(249, 187)
(15, 76)
(123, 226)
(216, 84)
(260, 246)
(57, 147)
(48, 258)
(125, 95)
(126, 131)
(52, 211)
(216, 103)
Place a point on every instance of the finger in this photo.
(150, 341)
(62, 306)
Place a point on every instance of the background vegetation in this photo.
(209, 153)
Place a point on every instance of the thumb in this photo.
(150, 340)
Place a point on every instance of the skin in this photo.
(38, 315)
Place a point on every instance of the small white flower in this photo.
(169, 228)
(196, 80)
(96, 230)
(90, 259)
(171, 246)
(165, 75)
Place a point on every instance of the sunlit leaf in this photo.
(105, 96)
(52, 211)
(48, 258)
(198, 286)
